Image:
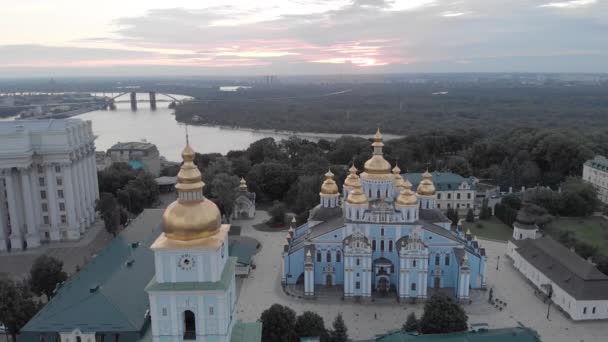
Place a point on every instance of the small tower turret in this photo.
(329, 191)
(426, 191)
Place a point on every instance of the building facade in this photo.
(573, 283)
(381, 237)
(137, 154)
(595, 171)
(453, 191)
(48, 181)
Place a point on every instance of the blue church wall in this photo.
(333, 267)
(295, 265)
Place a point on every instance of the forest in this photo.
(401, 108)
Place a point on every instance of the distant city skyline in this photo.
(186, 37)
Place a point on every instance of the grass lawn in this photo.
(491, 229)
(592, 230)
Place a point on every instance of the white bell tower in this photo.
(192, 296)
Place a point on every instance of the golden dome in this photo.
(356, 196)
(352, 180)
(426, 186)
(377, 166)
(243, 184)
(398, 179)
(329, 186)
(407, 196)
(191, 216)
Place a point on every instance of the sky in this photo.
(299, 37)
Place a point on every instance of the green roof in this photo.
(246, 332)
(518, 334)
(106, 296)
(443, 181)
(242, 249)
(136, 164)
(222, 284)
(598, 162)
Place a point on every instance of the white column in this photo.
(15, 236)
(83, 189)
(82, 192)
(36, 198)
(94, 174)
(70, 202)
(87, 188)
(32, 237)
(53, 206)
(76, 194)
(425, 286)
(407, 283)
(3, 214)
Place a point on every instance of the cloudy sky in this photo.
(215, 37)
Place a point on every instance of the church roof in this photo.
(433, 215)
(107, 294)
(443, 181)
(565, 268)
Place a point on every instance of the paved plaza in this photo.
(17, 264)
(364, 320)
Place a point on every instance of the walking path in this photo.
(366, 319)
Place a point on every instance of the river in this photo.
(160, 128)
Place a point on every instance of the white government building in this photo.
(48, 181)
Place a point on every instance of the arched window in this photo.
(447, 259)
(390, 245)
(414, 263)
(386, 193)
(318, 256)
(437, 259)
(189, 325)
(408, 214)
(78, 339)
(357, 214)
(373, 245)
(378, 193)
(358, 261)
(338, 257)
(382, 245)
(328, 256)
(369, 193)
(382, 231)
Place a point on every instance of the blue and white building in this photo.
(378, 236)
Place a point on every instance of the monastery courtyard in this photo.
(263, 288)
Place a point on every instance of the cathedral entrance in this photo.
(436, 282)
(383, 284)
(328, 280)
(189, 325)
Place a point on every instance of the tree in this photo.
(278, 324)
(277, 212)
(45, 274)
(442, 315)
(304, 193)
(486, 212)
(17, 306)
(339, 332)
(470, 216)
(108, 208)
(452, 214)
(310, 324)
(411, 324)
(271, 180)
(224, 187)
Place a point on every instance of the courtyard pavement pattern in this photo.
(263, 288)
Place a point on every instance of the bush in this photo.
(277, 212)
